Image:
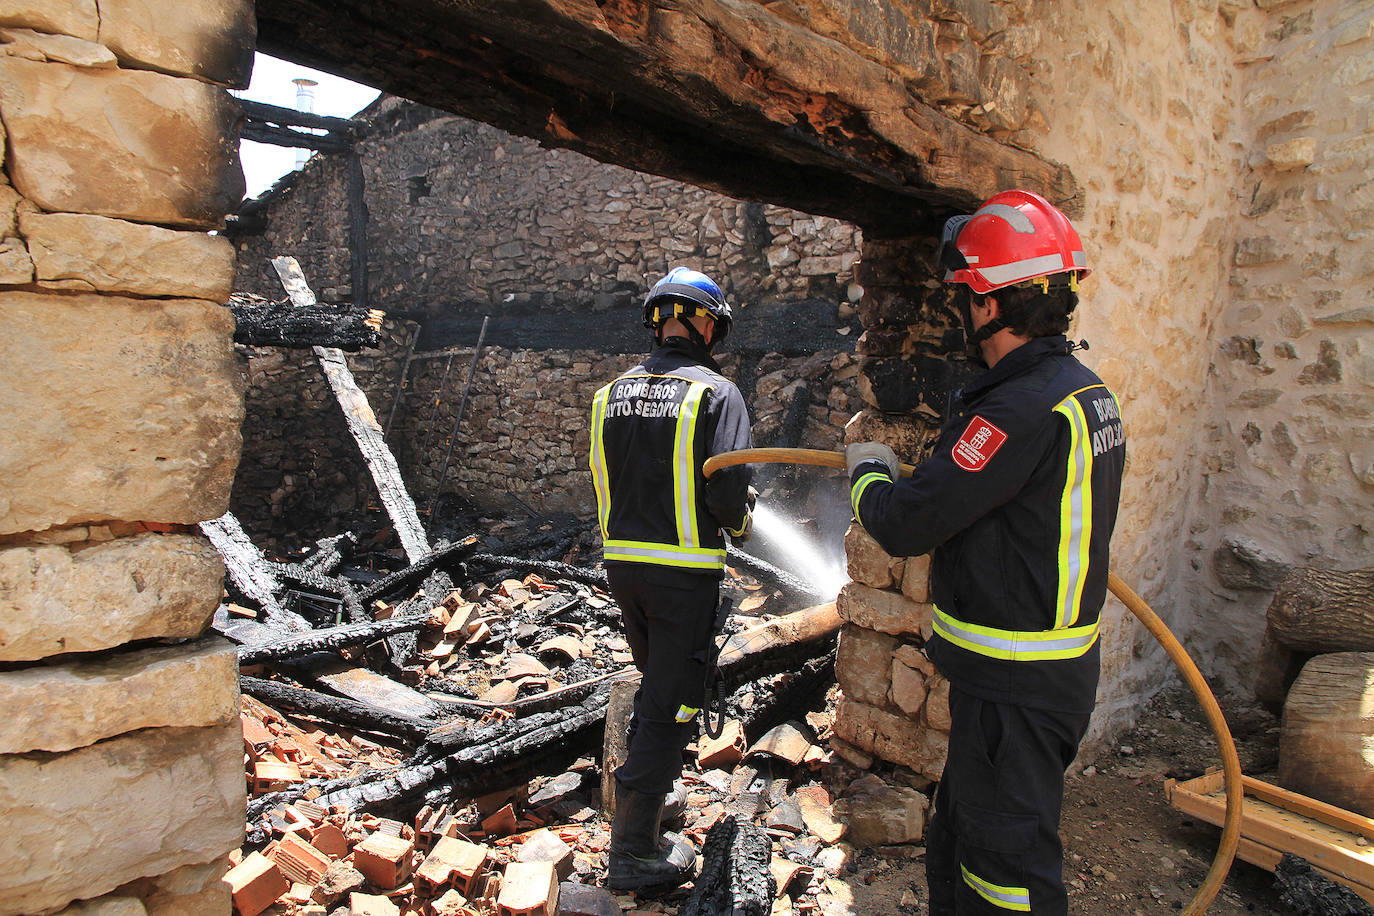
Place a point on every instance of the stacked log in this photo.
(1318, 663)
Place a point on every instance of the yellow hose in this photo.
(1230, 761)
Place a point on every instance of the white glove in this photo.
(859, 452)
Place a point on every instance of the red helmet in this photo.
(1014, 237)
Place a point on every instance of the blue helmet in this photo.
(687, 291)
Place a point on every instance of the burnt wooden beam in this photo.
(339, 710)
(550, 569)
(443, 556)
(249, 571)
(261, 323)
(362, 423)
(731, 97)
(292, 117)
(735, 879)
(285, 136)
(353, 634)
(762, 569)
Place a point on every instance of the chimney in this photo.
(305, 102)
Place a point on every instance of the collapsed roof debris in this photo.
(421, 731)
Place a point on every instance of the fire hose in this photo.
(1230, 834)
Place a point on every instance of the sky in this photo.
(263, 164)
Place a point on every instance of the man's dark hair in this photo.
(1030, 313)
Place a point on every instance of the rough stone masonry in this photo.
(119, 774)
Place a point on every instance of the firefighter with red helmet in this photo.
(1016, 506)
(663, 529)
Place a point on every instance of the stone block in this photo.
(140, 804)
(885, 611)
(78, 703)
(149, 148)
(916, 578)
(115, 256)
(882, 815)
(54, 600)
(62, 49)
(1242, 563)
(868, 563)
(78, 18)
(863, 664)
(211, 40)
(1298, 153)
(191, 889)
(16, 267)
(908, 691)
(906, 436)
(892, 736)
(936, 711)
(117, 408)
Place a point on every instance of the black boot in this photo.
(642, 858)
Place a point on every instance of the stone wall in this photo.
(121, 779)
(523, 433)
(464, 216)
(1288, 474)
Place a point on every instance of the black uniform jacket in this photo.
(1017, 504)
(652, 428)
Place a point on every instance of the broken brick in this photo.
(385, 860)
(453, 863)
(528, 889)
(298, 860)
(255, 884)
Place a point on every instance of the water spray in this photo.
(1230, 760)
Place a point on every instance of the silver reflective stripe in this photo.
(1080, 259)
(1022, 270)
(668, 555)
(1008, 898)
(1017, 646)
(1018, 221)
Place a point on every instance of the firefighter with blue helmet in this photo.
(1016, 506)
(663, 529)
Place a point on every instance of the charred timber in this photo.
(260, 132)
(735, 878)
(334, 709)
(353, 634)
(260, 323)
(292, 117)
(549, 569)
(447, 556)
(762, 569)
(330, 552)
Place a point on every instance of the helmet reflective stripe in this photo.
(1016, 271)
(664, 554)
(1075, 512)
(1020, 222)
(600, 476)
(1008, 898)
(1016, 645)
(684, 466)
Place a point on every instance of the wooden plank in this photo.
(1333, 849)
(1310, 807)
(362, 423)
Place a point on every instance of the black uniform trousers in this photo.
(668, 616)
(992, 845)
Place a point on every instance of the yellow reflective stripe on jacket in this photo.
(1016, 645)
(664, 554)
(1008, 898)
(1075, 513)
(856, 492)
(684, 466)
(601, 480)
